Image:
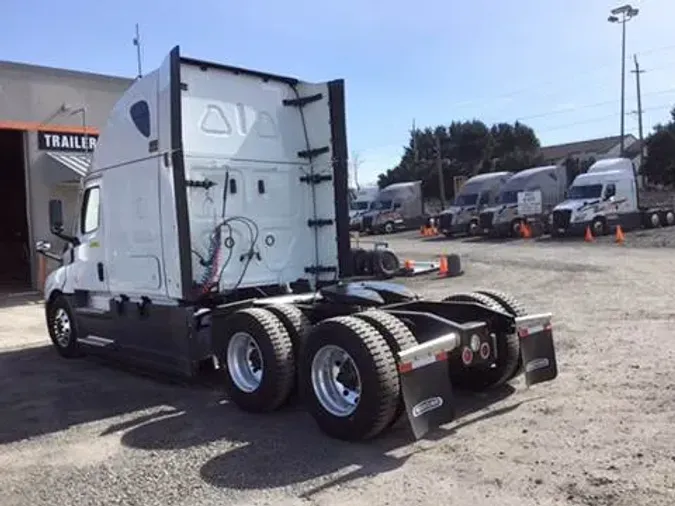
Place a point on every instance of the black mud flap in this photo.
(427, 391)
(537, 348)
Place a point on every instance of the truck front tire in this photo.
(257, 354)
(348, 379)
(62, 328)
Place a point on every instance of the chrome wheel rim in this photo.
(61, 327)
(670, 218)
(389, 228)
(656, 221)
(244, 362)
(336, 381)
(598, 228)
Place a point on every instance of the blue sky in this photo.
(542, 61)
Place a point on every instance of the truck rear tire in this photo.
(257, 354)
(62, 328)
(349, 379)
(398, 337)
(512, 306)
(508, 354)
(295, 322)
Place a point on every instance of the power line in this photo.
(589, 106)
(598, 119)
(577, 77)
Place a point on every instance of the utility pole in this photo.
(439, 168)
(137, 43)
(626, 12)
(637, 73)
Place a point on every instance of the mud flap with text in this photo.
(425, 384)
(536, 347)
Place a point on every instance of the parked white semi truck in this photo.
(605, 196)
(398, 206)
(504, 219)
(478, 193)
(214, 230)
(360, 205)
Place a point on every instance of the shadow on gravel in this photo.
(42, 393)
(8, 300)
(287, 448)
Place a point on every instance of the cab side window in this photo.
(610, 191)
(89, 217)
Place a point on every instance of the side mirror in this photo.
(56, 215)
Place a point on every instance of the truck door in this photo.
(88, 268)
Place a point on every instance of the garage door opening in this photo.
(15, 268)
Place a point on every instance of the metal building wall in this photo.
(36, 98)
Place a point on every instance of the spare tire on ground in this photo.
(385, 263)
(360, 262)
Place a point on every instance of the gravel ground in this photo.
(87, 433)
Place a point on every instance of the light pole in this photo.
(622, 15)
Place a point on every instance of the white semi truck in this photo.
(214, 230)
(605, 196)
(504, 219)
(479, 192)
(398, 206)
(361, 204)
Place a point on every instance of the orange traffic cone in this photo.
(443, 266)
(409, 265)
(525, 231)
(619, 235)
(422, 230)
(589, 236)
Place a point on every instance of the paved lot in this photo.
(86, 433)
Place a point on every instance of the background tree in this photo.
(355, 163)
(659, 164)
(467, 148)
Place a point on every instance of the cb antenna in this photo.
(137, 43)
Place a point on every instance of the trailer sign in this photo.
(529, 202)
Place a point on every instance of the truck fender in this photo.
(55, 283)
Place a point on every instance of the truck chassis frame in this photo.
(406, 352)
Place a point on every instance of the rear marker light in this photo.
(484, 351)
(467, 355)
(524, 332)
